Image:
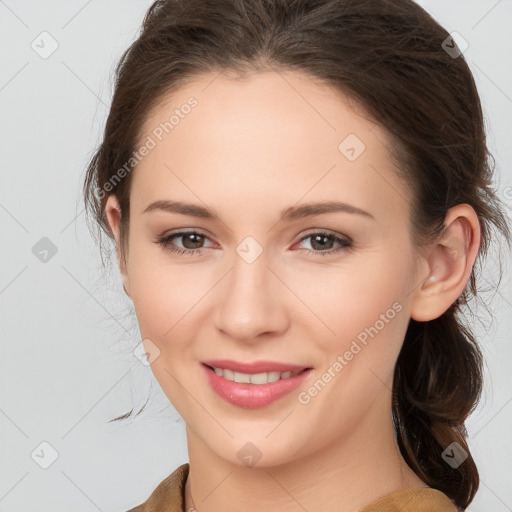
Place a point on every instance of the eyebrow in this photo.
(291, 213)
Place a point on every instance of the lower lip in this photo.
(252, 396)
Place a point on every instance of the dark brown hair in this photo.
(389, 56)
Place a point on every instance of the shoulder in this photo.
(168, 495)
(420, 499)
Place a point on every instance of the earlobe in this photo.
(450, 261)
(113, 215)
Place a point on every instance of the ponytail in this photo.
(437, 384)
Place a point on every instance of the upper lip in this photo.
(253, 367)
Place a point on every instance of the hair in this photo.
(388, 56)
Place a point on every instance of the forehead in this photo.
(268, 135)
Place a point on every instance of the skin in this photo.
(251, 148)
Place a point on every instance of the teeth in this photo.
(254, 378)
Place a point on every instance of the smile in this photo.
(254, 378)
(253, 390)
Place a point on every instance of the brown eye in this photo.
(191, 242)
(322, 243)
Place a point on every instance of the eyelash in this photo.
(165, 242)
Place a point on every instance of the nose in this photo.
(251, 302)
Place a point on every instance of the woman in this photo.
(298, 192)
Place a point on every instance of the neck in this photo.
(359, 468)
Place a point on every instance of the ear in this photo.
(113, 215)
(448, 263)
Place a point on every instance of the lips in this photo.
(253, 385)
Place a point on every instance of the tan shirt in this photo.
(169, 497)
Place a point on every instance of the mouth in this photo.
(256, 388)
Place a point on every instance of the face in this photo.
(263, 277)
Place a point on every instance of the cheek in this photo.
(159, 297)
(164, 304)
(364, 317)
(349, 299)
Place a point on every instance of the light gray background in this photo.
(66, 365)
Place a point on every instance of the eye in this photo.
(322, 241)
(191, 240)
